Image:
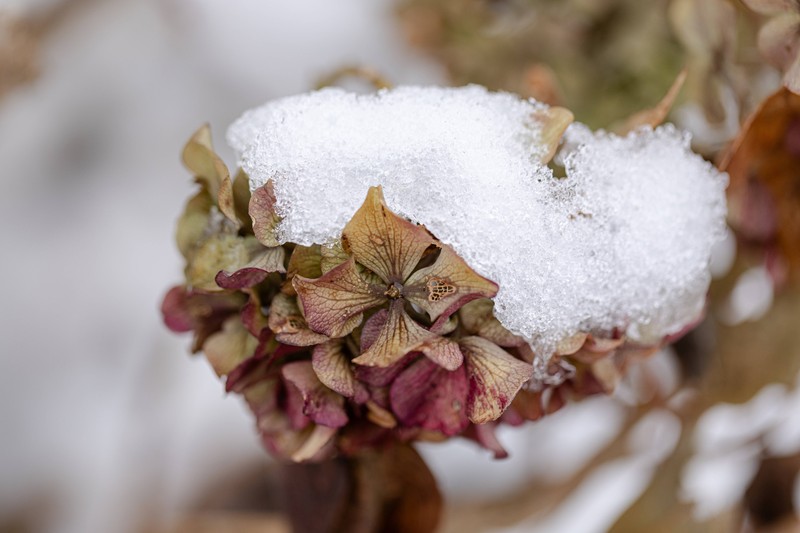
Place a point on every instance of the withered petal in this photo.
(383, 242)
(495, 377)
(333, 304)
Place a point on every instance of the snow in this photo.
(623, 242)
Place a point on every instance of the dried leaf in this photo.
(763, 196)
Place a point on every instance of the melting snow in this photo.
(622, 242)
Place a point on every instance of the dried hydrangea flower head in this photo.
(406, 265)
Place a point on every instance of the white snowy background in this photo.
(105, 422)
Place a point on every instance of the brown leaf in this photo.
(386, 244)
(764, 191)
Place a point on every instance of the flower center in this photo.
(394, 291)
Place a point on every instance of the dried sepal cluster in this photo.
(344, 346)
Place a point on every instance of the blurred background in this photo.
(108, 425)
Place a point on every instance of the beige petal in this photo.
(383, 242)
(495, 378)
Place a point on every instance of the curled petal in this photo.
(320, 404)
(288, 324)
(427, 396)
(262, 212)
(478, 318)
(485, 435)
(334, 370)
(261, 263)
(333, 304)
(220, 252)
(314, 443)
(399, 335)
(200, 158)
(380, 416)
(305, 261)
(494, 377)
(442, 288)
(383, 242)
(253, 315)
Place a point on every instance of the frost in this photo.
(623, 242)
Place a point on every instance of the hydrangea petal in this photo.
(199, 157)
(334, 370)
(444, 352)
(288, 324)
(446, 285)
(495, 377)
(399, 335)
(228, 348)
(554, 122)
(478, 319)
(388, 245)
(320, 404)
(261, 262)
(262, 212)
(305, 261)
(427, 396)
(193, 222)
(333, 304)
(314, 443)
